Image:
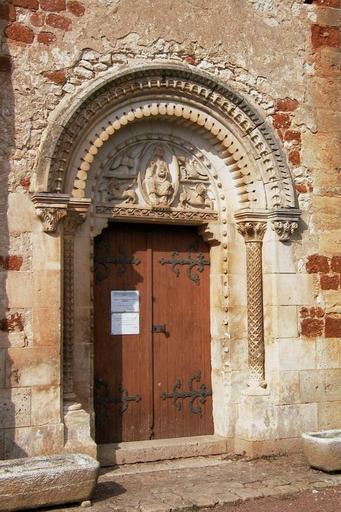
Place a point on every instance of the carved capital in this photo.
(50, 208)
(76, 215)
(252, 231)
(284, 222)
(50, 217)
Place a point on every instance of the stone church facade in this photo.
(123, 125)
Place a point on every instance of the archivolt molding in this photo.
(174, 91)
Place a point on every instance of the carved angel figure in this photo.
(196, 197)
(157, 183)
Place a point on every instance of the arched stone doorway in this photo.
(225, 174)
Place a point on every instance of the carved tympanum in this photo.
(157, 174)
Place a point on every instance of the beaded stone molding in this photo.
(174, 91)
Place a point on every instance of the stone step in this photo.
(162, 449)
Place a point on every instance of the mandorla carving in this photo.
(50, 217)
(284, 229)
(252, 230)
(157, 181)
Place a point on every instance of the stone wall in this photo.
(284, 58)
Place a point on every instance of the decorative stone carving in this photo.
(50, 208)
(157, 174)
(157, 181)
(196, 197)
(190, 216)
(177, 82)
(284, 222)
(75, 216)
(253, 227)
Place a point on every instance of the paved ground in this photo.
(272, 485)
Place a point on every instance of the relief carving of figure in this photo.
(157, 181)
(196, 197)
(116, 192)
(190, 169)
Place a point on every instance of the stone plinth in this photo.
(44, 481)
(323, 449)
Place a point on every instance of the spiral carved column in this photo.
(253, 233)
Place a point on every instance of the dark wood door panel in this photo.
(182, 407)
(122, 362)
(154, 384)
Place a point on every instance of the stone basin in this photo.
(323, 449)
(47, 480)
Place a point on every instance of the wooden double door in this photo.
(152, 342)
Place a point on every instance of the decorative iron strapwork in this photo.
(194, 264)
(177, 395)
(121, 259)
(102, 397)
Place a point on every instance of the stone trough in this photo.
(323, 449)
(44, 481)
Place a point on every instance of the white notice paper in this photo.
(125, 323)
(125, 301)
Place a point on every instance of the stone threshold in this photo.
(162, 449)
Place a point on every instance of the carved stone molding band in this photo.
(253, 231)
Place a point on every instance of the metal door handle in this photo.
(159, 328)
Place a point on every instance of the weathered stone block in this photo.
(15, 408)
(323, 449)
(329, 415)
(43, 481)
(45, 405)
(31, 441)
(320, 385)
(33, 366)
(295, 419)
(296, 354)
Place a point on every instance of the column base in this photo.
(77, 432)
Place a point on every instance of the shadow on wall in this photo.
(10, 319)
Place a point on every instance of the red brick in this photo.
(295, 157)
(59, 21)
(189, 59)
(292, 136)
(328, 3)
(5, 64)
(27, 4)
(304, 312)
(7, 12)
(312, 327)
(11, 262)
(316, 311)
(303, 188)
(76, 8)
(325, 36)
(286, 105)
(281, 121)
(12, 323)
(19, 32)
(25, 183)
(335, 264)
(53, 5)
(37, 19)
(58, 77)
(46, 37)
(333, 326)
(317, 263)
(330, 282)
